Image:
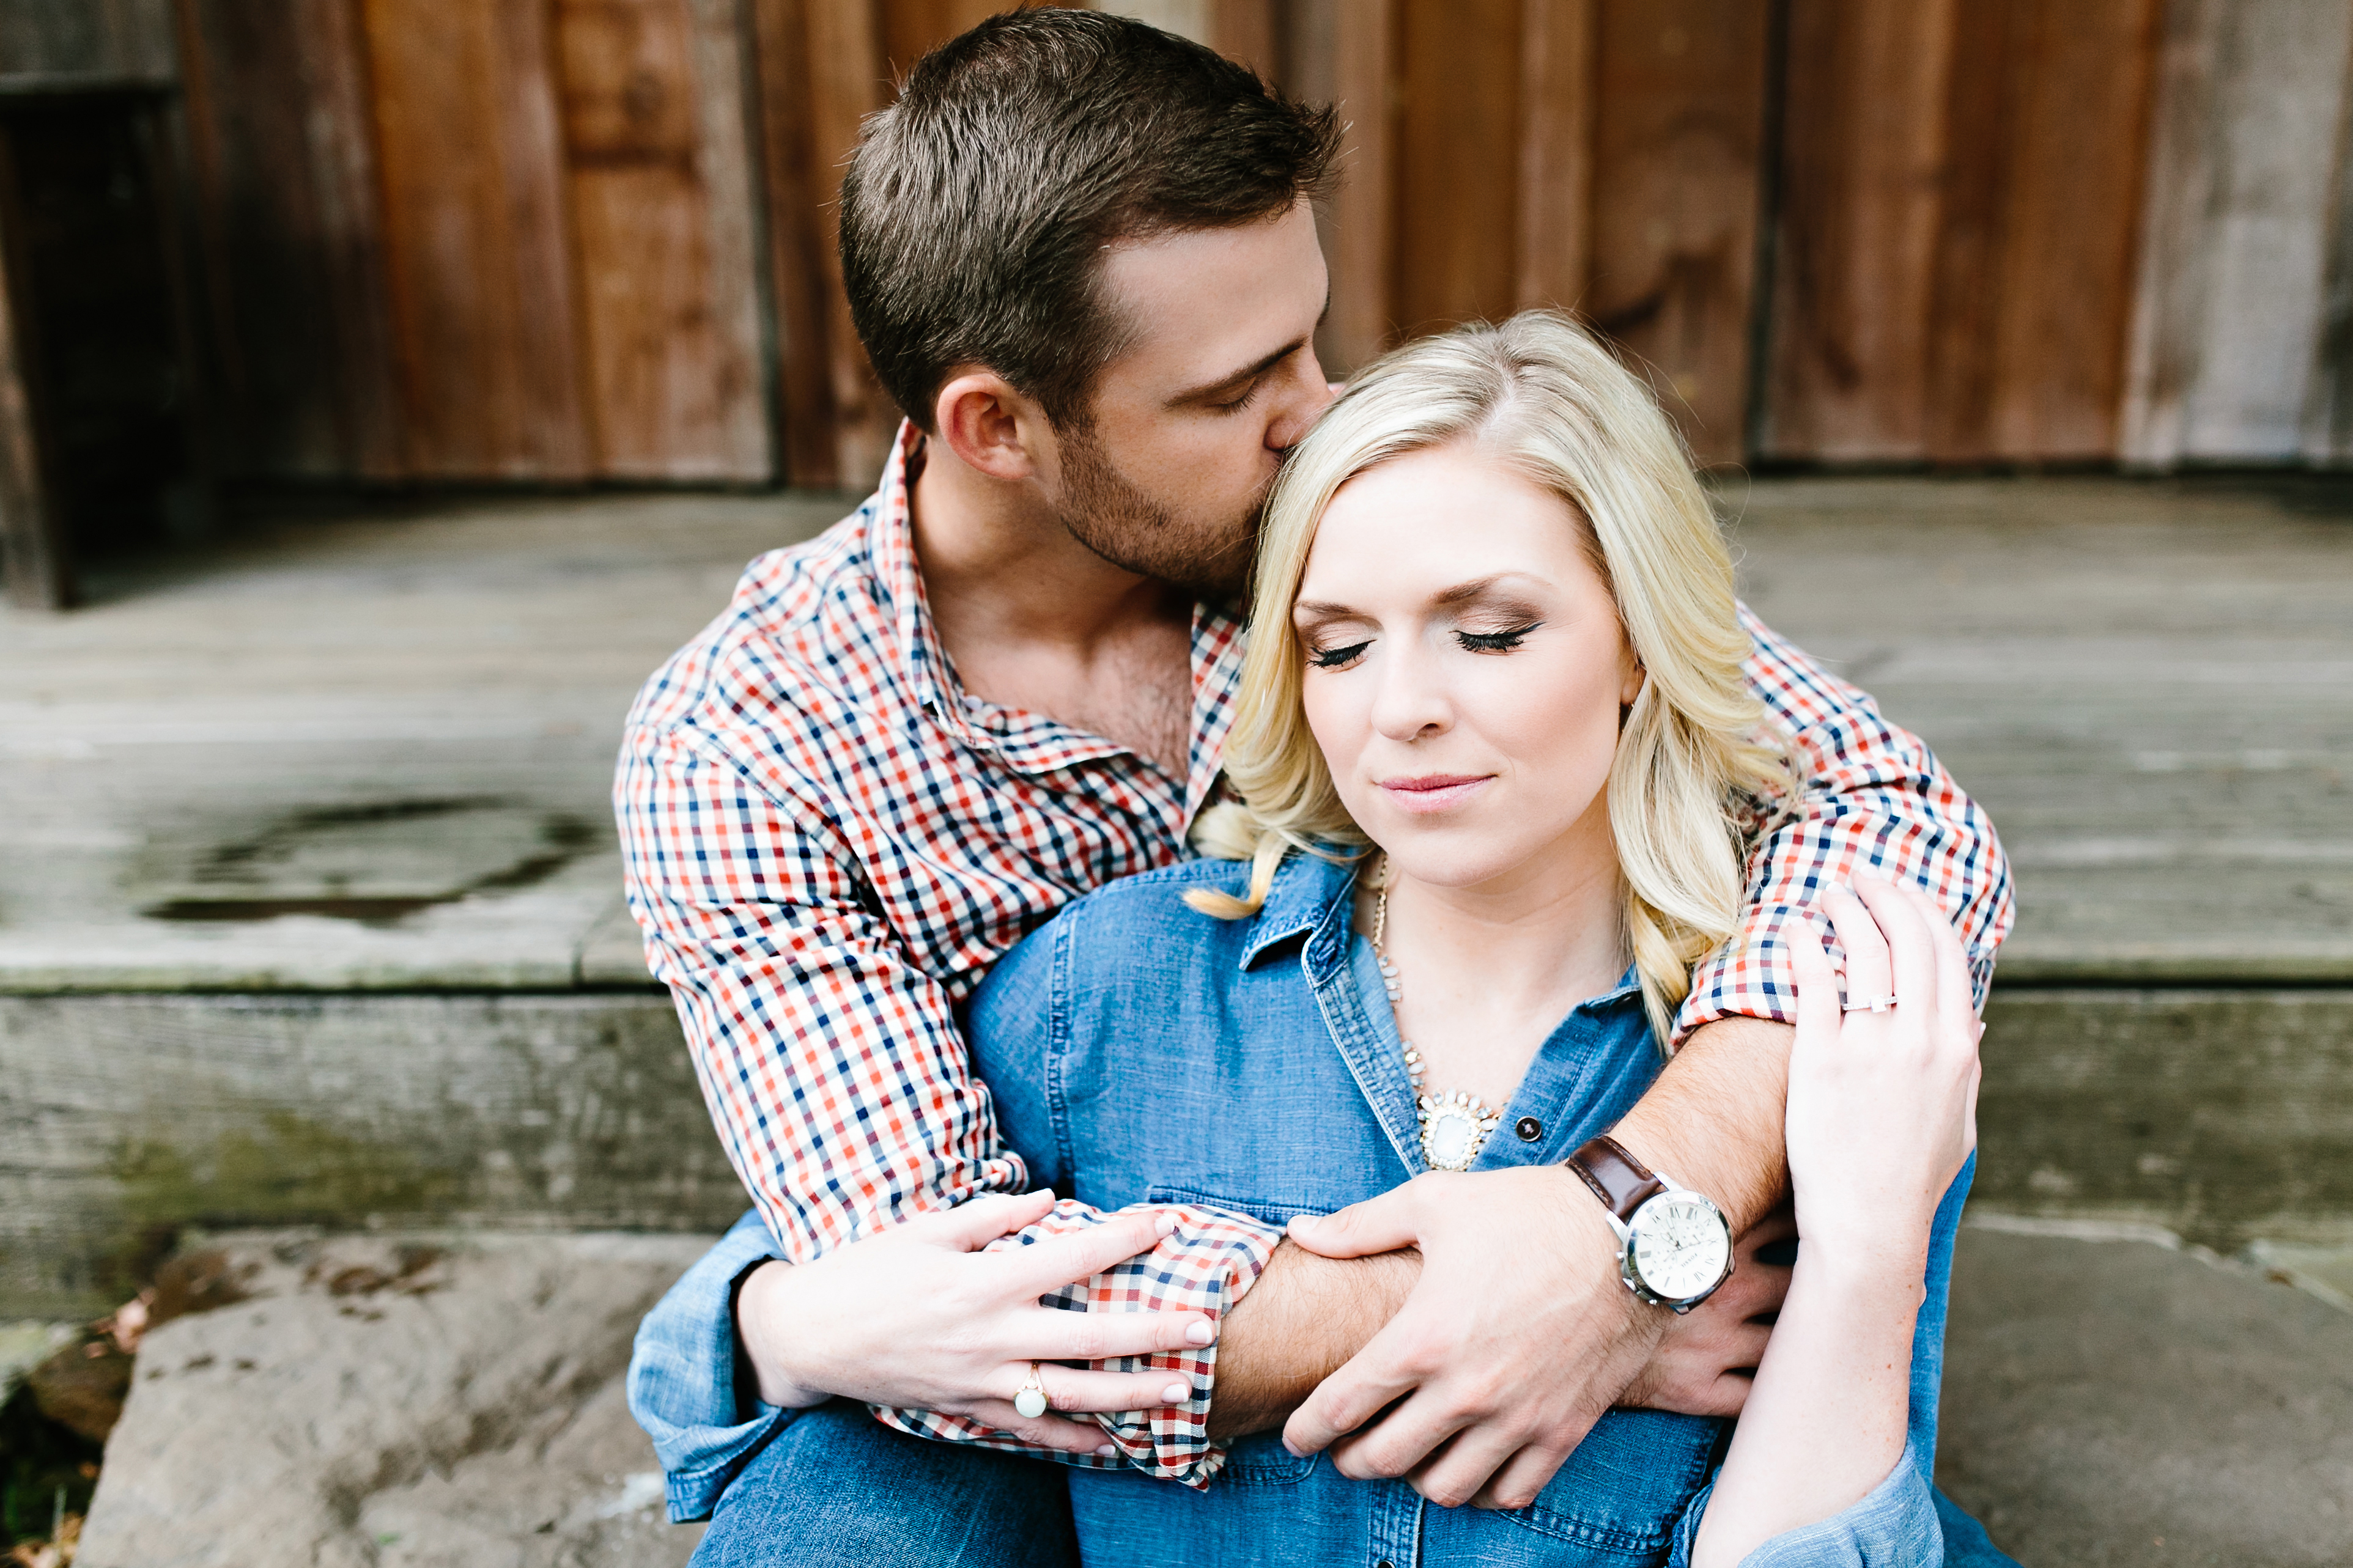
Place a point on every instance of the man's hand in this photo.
(1704, 1365)
(918, 1317)
(1517, 1338)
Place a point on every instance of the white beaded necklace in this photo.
(1455, 1125)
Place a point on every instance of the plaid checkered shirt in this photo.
(827, 842)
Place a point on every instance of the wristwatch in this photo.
(1674, 1246)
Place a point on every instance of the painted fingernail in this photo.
(1106, 1452)
(1175, 1394)
(1200, 1334)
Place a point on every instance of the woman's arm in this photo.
(1882, 1113)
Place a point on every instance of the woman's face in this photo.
(1464, 670)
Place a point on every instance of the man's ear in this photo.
(991, 427)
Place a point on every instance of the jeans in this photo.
(837, 1488)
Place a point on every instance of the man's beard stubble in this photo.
(1108, 513)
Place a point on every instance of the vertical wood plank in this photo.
(2028, 354)
(2169, 276)
(480, 261)
(286, 207)
(1457, 158)
(2231, 289)
(1678, 132)
(1361, 247)
(797, 270)
(654, 159)
(2329, 402)
(34, 554)
(820, 69)
(1864, 157)
(1556, 196)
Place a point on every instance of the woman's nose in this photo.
(1411, 702)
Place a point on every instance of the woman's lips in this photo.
(1434, 792)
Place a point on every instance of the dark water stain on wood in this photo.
(562, 838)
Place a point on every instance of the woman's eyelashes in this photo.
(1495, 642)
(1341, 655)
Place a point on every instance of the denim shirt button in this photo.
(1529, 1129)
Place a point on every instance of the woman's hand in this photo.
(918, 1317)
(1883, 1104)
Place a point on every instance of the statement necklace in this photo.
(1454, 1126)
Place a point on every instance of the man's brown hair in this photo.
(976, 210)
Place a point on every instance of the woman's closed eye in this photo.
(1495, 642)
(1333, 657)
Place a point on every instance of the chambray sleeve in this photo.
(1893, 1526)
(835, 1073)
(1873, 796)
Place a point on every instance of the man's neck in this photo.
(1035, 620)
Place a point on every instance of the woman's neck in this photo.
(1486, 971)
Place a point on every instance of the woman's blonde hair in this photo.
(1695, 771)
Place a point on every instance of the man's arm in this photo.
(843, 1095)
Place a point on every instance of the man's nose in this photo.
(1308, 396)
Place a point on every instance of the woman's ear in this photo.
(1631, 687)
(990, 427)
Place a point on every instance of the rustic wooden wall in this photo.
(1599, 154)
(515, 240)
(1959, 196)
(582, 240)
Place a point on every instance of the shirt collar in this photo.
(1308, 890)
(1028, 742)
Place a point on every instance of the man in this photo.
(1082, 253)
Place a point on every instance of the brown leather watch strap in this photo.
(1621, 1181)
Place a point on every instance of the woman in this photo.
(1499, 775)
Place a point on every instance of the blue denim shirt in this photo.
(1142, 1053)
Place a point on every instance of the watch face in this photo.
(1680, 1245)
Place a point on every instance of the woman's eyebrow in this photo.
(1478, 588)
(1322, 610)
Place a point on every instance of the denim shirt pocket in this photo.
(1625, 1488)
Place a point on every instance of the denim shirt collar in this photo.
(1312, 898)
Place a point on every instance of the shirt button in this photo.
(1529, 1129)
(1385, 1562)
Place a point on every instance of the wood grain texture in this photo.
(820, 69)
(1360, 248)
(2329, 400)
(2047, 121)
(34, 556)
(288, 211)
(1456, 162)
(1960, 190)
(1679, 125)
(655, 164)
(1864, 156)
(2233, 270)
(1557, 110)
(479, 257)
